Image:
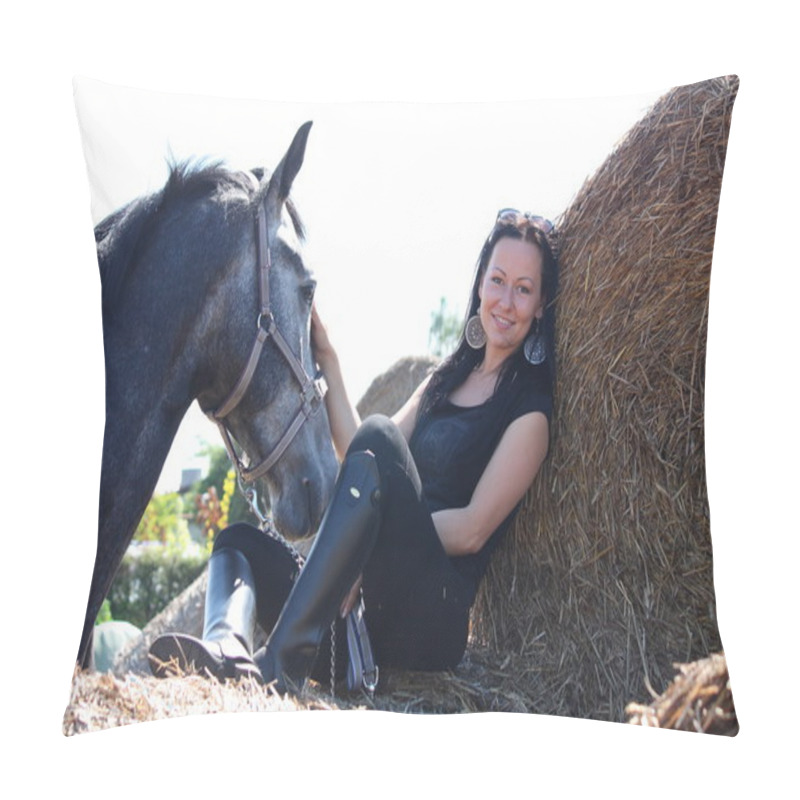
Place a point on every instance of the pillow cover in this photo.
(607, 579)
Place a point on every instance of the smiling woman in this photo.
(511, 297)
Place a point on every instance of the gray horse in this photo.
(206, 296)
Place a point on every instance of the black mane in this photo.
(122, 234)
(192, 180)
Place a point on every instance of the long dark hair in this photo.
(455, 369)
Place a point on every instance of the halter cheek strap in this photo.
(312, 390)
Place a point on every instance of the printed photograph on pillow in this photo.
(598, 600)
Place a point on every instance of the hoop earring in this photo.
(474, 333)
(535, 350)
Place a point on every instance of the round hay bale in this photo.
(608, 569)
(388, 393)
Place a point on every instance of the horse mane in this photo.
(103, 228)
(121, 235)
(193, 179)
(118, 238)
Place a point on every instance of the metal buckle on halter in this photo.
(266, 315)
(313, 394)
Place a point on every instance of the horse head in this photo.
(183, 300)
(275, 411)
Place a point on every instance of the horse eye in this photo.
(308, 290)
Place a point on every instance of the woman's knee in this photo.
(384, 440)
(266, 554)
(401, 488)
(378, 434)
(238, 536)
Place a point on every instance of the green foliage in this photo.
(220, 476)
(164, 522)
(218, 466)
(104, 615)
(445, 330)
(149, 578)
(212, 511)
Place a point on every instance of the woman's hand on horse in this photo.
(350, 601)
(342, 414)
(321, 346)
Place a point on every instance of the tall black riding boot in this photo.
(225, 651)
(343, 544)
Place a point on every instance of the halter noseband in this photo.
(312, 391)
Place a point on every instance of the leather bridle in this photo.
(312, 390)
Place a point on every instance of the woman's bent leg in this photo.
(417, 604)
(226, 646)
(276, 567)
(342, 546)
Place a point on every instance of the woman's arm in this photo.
(406, 417)
(508, 475)
(342, 415)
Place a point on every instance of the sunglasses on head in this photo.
(511, 216)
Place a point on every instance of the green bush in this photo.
(149, 578)
(164, 521)
(218, 471)
(104, 615)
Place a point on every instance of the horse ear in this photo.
(282, 179)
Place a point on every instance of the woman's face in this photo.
(511, 294)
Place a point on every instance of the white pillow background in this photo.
(608, 50)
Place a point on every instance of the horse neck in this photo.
(173, 328)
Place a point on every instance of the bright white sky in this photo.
(397, 198)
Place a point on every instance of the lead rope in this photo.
(266, 526)
(265, 523)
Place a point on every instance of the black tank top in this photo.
(452, 446)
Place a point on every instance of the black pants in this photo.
(417, 603)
